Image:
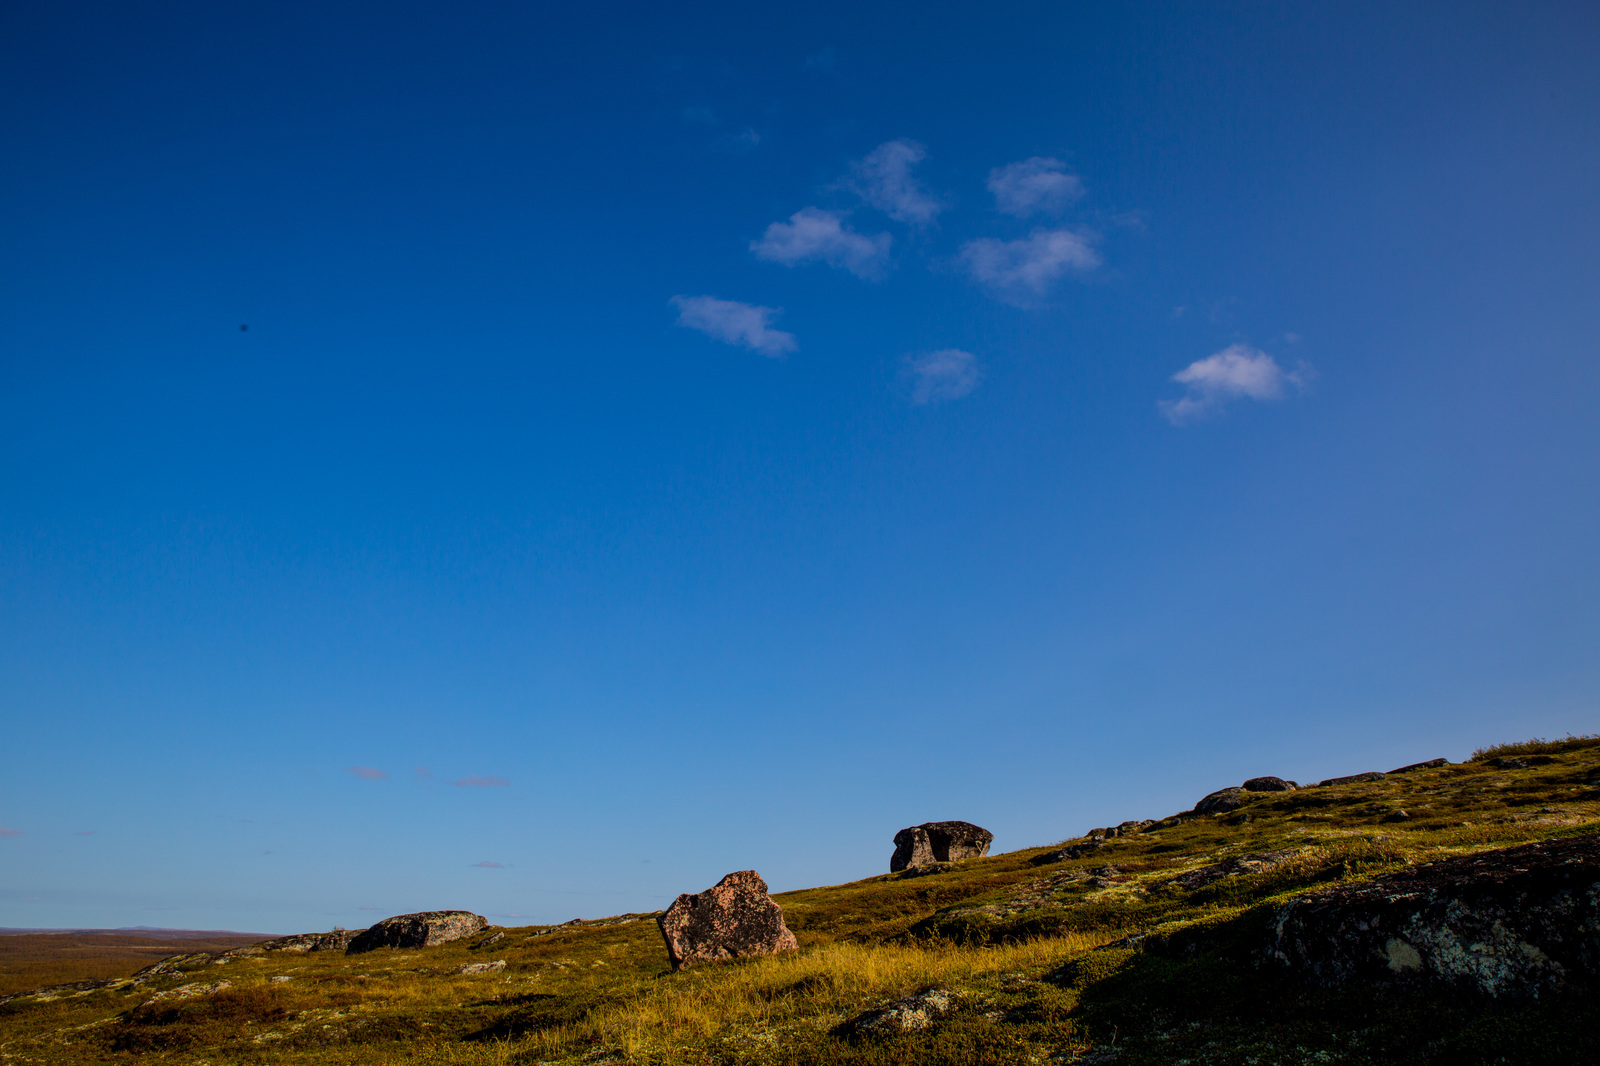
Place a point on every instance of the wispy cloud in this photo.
(367, 773)
(884, 180)
(7, 834)
(1040, 185)
(487, 865)
(732, 322)
(422, 773)
(474, 781)
(1237, 372)
(947, 374)
(815, 235)
(1025, 269)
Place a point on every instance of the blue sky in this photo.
(668, 442)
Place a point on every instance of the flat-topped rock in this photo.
(421, 930)
(1511, 922)
(731, 919)
(1352, 779)
(936, 842)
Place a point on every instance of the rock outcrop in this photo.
(731, 919)
(1223, 799)
(1244, 864)
(935, 842)
(1514, 922)
(1269, 784)
(902, 1016)
(300, 943)
(1066, 854)
(1353, 779)
(1429, 765)
(421, 930)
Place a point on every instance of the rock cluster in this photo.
(733, 918)
(1513, 922)
(936, 842)
(421, 930)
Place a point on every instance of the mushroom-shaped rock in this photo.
(733, 918)
(1269, 784)
(935, 842)
(421, 930)
(1223, 799)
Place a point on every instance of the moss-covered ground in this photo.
(1039, 956)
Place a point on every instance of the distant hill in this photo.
(149, 932)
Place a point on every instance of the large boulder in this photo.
(421, 930)
(731, 919)
(1269, 784)
(1513, 922)
(935, 842)
(1352, 779)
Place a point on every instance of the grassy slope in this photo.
(1032, 988)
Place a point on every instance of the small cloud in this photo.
(7, 834)
(85, 832)
(422, 773)
(884, 180)
(732, 322)
(1237, 372)
(1023, 269)
(1040, 185)
(699, 115)
(268, 853)
(1292, 338)
(947, 374)
(474, 781)
(746, 140)
(367, 773)
(815, 235)
(490, 865)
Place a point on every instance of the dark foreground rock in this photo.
(731, 919)
(1269, 784)
(902, 1016)
(1515, 922)
(421, 930)
(934, 842)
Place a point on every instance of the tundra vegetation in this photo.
(1144, 949)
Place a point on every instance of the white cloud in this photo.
(1037, 185)
(947, 374)
(732, 322)
(814, 234)
(884, 180)
(1237, 372)
(1018, 270)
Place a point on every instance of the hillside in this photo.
(1144, 949)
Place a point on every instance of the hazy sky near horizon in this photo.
(672, 441)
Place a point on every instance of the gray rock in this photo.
(301, 943)
(1512, 922)
(493, 938)
(1066, 854)
(934, 842)
(1429, 765)
(421, 930)
(1244, 864)
(1269, 784)
(1223, 799)
(1353, 779)
(902, 1016)
(731, 919)
(472, 968)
